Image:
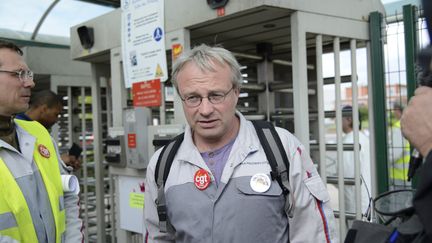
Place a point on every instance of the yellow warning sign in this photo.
(159, 72)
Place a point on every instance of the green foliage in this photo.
(364, 114)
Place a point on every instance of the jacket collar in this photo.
(246, 142)
(26, 143)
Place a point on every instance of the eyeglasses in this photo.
(214, 98)
(23, 75)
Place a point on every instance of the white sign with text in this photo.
(143, 41)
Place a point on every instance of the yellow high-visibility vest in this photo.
(399, 170)
(12, 201)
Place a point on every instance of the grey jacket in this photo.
(233, 212)
(27, 175)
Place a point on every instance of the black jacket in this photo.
(423, 197)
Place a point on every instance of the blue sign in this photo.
(157, 34)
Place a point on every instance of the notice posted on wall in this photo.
(131, 203)
(143, 41)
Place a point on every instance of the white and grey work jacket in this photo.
(233, 211)
(28, 177)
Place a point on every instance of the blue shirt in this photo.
(217, 159)
(23, 116)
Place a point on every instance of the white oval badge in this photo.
(260, 182)
(44, 151)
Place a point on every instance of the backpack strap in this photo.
(277, 157)
(163, 167)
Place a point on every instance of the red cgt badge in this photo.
(44, 151)
(202, 179)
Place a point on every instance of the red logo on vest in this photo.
(202, 179)
(44, 151)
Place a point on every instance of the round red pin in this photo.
(202, 179)
(44, 151)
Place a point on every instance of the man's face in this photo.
(50, 116)
(14, 94)
(209, 122)
(397, 114)
(346, 124)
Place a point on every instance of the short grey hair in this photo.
(204, 56)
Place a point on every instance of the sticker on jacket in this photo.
(260, 182)
(202, 179)
(44, 151)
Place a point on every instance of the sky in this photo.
(23, 15)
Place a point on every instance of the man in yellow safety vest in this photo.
(399, 153)
(33, 205)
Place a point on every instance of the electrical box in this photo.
(161, 135)
(136, 121)
(115, 151)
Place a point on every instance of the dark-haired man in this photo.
(45, 108)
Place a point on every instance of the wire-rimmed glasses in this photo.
(23, 75)
(214, 98)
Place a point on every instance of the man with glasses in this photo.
(219, 187)
(33, 206)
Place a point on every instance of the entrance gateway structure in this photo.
(280, 44)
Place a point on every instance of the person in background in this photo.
(349, 164)
(219, 187)
(398, 152)
(33, 205)
(46, 107)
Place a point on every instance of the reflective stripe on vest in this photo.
(12, 200)
(399, 170)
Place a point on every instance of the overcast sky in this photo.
(23, 15)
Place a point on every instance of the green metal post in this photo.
(409, 20)
(378, 92)
(411, 47)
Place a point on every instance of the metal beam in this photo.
(410, 20)
(378, 90)
(42, 19)
(411, 48)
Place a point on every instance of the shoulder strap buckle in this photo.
(275, 153)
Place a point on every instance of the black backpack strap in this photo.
(163, 166)
(276, 156)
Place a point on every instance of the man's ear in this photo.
(43, 109)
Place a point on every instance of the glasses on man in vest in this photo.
(23, 75)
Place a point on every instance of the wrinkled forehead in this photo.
(10, 58)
